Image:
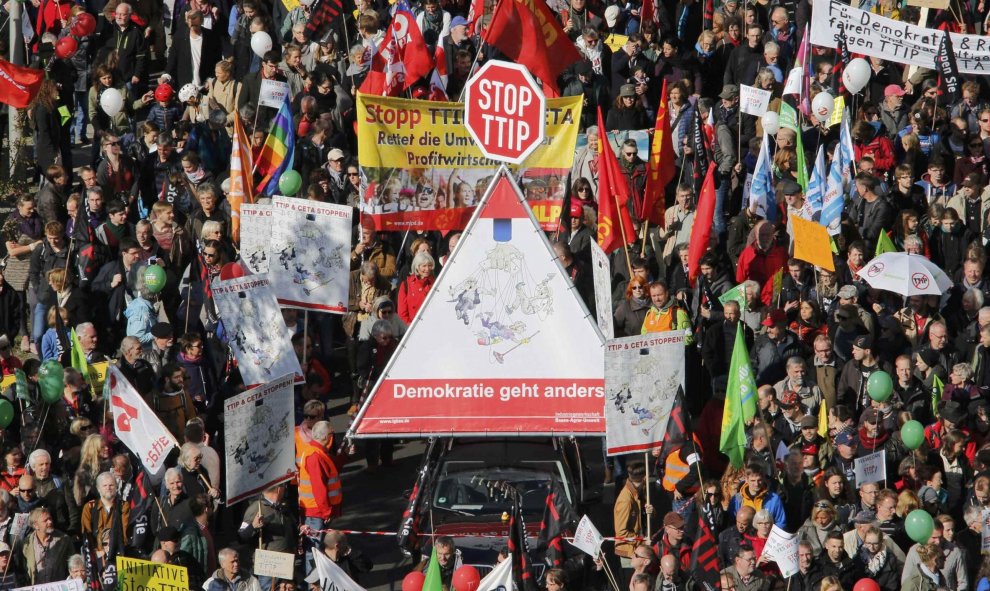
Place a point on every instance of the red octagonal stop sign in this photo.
(505, 111)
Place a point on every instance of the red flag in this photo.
(614, 223)
(703, 218)
(648, 12)
(704, 556)
(19, 85)
(527, 32)
(661, 168)
(558, 517)
(402, 57)
(677, 433)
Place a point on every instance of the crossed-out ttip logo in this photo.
(875, 269)
(920, 280)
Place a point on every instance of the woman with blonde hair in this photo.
(94, 458)
(224, 90)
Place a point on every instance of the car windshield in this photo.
(463, 487)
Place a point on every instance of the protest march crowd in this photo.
(813, 220)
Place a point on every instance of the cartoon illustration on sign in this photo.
(264, 353)
(311, 260)
(655, 387)
(258, 453)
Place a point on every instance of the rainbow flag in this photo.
(279, 150)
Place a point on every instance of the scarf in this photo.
(874, 565)
(701, 52)
(873, 442)
(433, 22)
(118, 231)
(196, 176)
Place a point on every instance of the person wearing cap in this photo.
(592, 86)
(787, 427)
(773, 348)
(674, 542)
(627, 113)
(161, 351)
(579, 238)
(458, 39)
(370, 248)
(851, 390)
(893, 115)
(846, 443)
(169, 539)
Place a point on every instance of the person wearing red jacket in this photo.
(869, 141)
(412, 291)
(761, 259)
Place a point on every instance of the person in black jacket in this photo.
(836, 563)
(180, 55)
(52, 254)
(627, 113)
(110, 288)
(810, 570)
(128, 41)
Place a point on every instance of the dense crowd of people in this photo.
(152, 187)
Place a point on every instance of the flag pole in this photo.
(608, 570)
(477, 54)
(649, 514)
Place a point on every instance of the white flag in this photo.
(330, 576)
(136, 425)
(499, 579)
(753, 101)
(587, 538)
(782, 548)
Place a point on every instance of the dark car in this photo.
(459, 493)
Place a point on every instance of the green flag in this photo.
(78, 357)
(884, 244)
(740, 402)
(432, 581)
(937, 387)
(736, 294)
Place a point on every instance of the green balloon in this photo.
(919, 526)
(289, 183)
(6, 413)
(912, 434)
(880, 386)
(51, 380)
(154, 278)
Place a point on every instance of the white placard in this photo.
(793, 83)
(256, 235)
(753, 101)
(587, 538)
(892, 40)
(985, 532)
(782, 548)
(69, 585)
(256, 330)
(602, 276)
(278, 565)
(19, 525)
(642, 377)
(258, 434)
(273, 93)
(871, 468)
(310, 254)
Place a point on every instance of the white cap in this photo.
(612, 15)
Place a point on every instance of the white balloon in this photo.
(261, 43)
(856, 75)
(771, 122)
(112, 101)
(822, 106)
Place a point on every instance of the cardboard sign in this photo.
(273, 93)
(70, 585)
(753, 101)
(278, 565)
(19, 525)
(936, 4)
(133, 573)
(782, 548)
(871, 468)
(587, 538)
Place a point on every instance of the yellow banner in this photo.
(139, 575)
(616, 42)
(403, 133)
(97, 376)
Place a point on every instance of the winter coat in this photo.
(769, 357)
(879, 147)
(141, 316)
(412, 295)
(629, 316)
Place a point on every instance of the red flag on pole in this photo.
(704, 556)
(19, 85)
(703, 218)
(528, 33)
(402, 57)
(614, 223)
(661, 168)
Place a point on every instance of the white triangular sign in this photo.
(502, 345)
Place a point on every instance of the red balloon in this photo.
(413, 581)
(465, 578)
(232, 271)
(84, 24)
(866, 585)
(66, 47)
